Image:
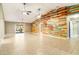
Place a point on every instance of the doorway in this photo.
(73, 27)
(19, 28)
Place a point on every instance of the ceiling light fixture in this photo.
(25, 12)
(39, 15)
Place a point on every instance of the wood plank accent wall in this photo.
(73, 9)
(62, 11)
(60, 17)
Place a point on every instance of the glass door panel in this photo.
(74, 29)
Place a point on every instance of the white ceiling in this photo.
(13, 11)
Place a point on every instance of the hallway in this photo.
(35, 44)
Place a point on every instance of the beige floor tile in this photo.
(35, 44)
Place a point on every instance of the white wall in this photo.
(1, 29)
(28, 27)
(1, 23)
(10, 27)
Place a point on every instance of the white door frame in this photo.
(70, 19)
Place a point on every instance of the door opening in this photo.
(19, 28)
(73, 27)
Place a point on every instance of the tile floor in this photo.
(37, 44)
